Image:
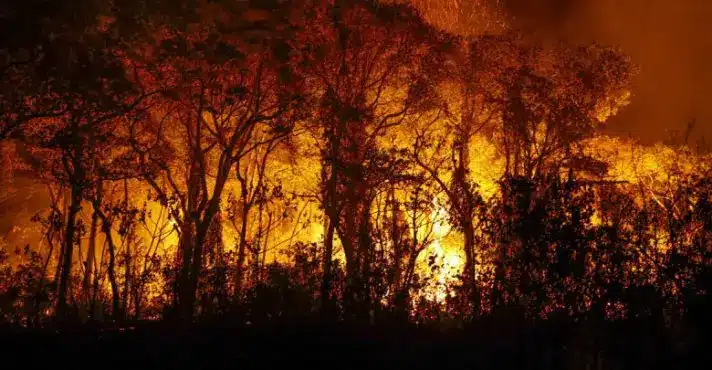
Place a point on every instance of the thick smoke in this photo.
(671, 41)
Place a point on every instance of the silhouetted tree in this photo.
(226, 96)
(366, 62)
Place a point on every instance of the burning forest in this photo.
(342, 166)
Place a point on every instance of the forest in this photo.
(367, 182)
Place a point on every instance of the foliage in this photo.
(321, 159)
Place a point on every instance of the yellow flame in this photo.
(447, 258)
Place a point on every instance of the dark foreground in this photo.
(311, 345)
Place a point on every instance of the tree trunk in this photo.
(127, 280)
(327, 267)
(265, 244)
(471, 262)
(185, 256)
(91, 251)
(58, 270)
(189, 297)
(396, 237)
(202, 226)
(201, 233)
(332, 217)
(257, 248)
(106, 229)
(95, 282)
(68, 250)
(193, 272)
(241, 251)
(470, 256)
(39, 295)
(128, 275)
(365, 244)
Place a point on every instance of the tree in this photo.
(255, 190)
(467, 93)
(227, 94)
(405, 223)
(29, 54)
(89, 83)
(367, 67)
(553, 99)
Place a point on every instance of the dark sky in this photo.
(670, 40)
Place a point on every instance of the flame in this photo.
(448, 263)
(612, 106)
(652, 169)
(462, 17)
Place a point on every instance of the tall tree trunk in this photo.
(185, 252)
(68, 250)
(195, 268)
(467, 207)
(95, 282)
(330, 205)
(265, 244)
(365, 243)
(201, 234)
(461, 148)
(246, 201)
(327, 267)
(397, 268)
(91, 251)
(58, 269)
(241, 250)
(257, 248)
(190, 225)
(470, 257)
(126, 296)
(471, 264)
(106, 229)
(193, 272)
(39, 295)
(127, 259)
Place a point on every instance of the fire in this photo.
(268, 191)
(652, 169)
(613, 105)
(447, 264)
(464, 17)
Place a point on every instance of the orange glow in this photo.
(420, 132)
(448, 261)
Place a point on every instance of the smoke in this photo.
(463, 17)
(669, 39)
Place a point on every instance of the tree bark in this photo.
(128, 276)
(106, 229)
(470, 256)
(201, 233)
(471, 264)
(330, 206)
(241, 252)
(185, 256)
(91, 251)
(202, 224)
(194, 273)
(68, 250)
(327, 267)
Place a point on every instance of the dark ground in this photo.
(298, 346)
(311, 346)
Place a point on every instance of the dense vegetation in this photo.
(274, 167)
